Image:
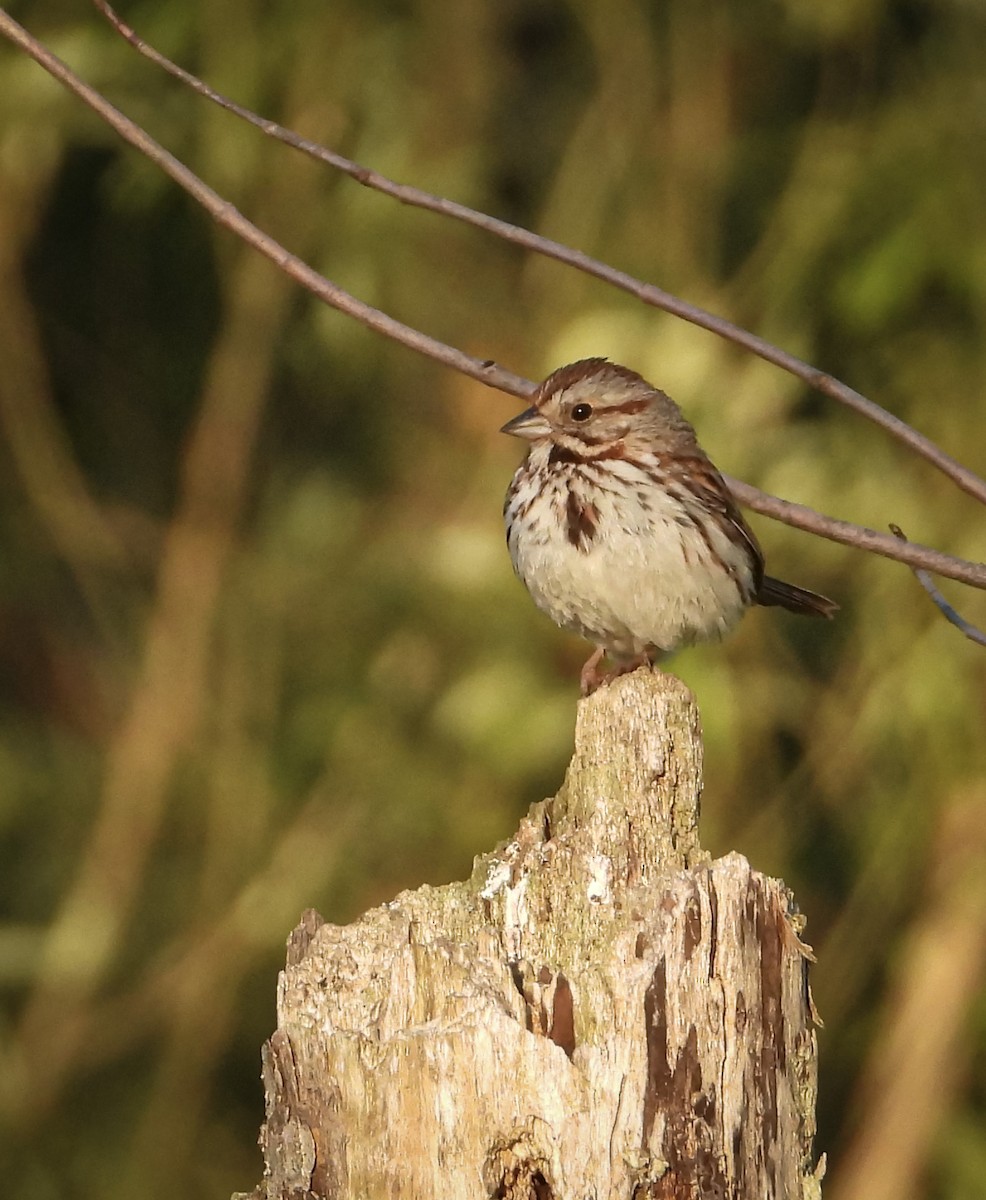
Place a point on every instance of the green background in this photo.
(261, 647)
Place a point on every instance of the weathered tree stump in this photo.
(599, 1011)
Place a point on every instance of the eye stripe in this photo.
(629, 407)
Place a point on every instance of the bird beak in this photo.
(529, 425)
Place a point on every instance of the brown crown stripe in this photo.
(587, 368)
(572, 373)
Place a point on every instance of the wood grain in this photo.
(599, 1011)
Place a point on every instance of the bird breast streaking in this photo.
(621, 528)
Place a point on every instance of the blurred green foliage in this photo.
(260, 644)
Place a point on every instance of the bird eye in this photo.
(581, 412)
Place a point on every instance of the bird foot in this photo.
(592, 677)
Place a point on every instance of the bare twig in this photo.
(486, 371)
(967, 480)
(799, 516)
(170, 685)
(971, 631)
(226, 215)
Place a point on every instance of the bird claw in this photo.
(592, 678)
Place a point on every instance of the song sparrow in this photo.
(622, 529)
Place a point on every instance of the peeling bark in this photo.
(599, 1011)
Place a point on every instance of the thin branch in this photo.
(858, 536)
(486, 371)
(973, 633)
(829, 386)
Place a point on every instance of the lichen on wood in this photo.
(599, 1011)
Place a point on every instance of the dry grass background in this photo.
(260, 645)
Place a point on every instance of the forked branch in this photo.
(972, 632)
(487, 371)
(647, 292)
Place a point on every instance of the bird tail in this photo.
(795, 599)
